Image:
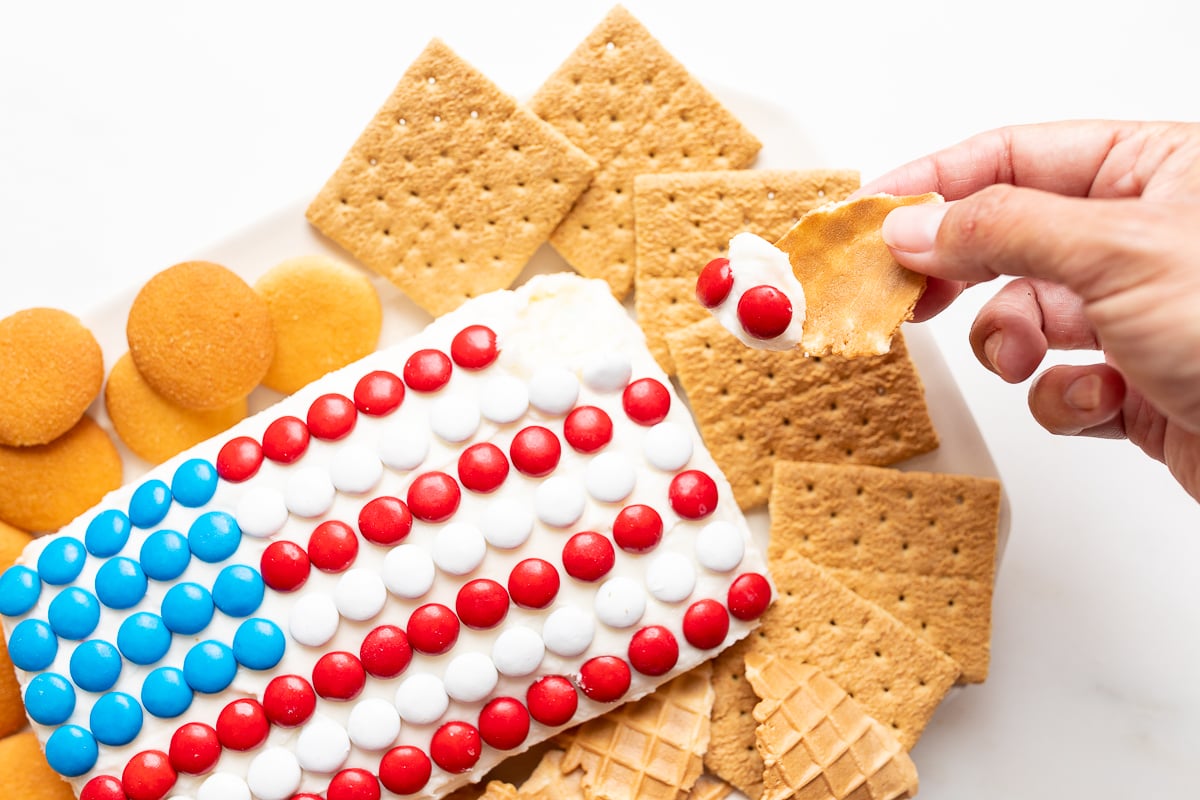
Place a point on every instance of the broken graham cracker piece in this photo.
(685, 219)
(630, 105)
(756, 406)
(651, 748)
(817, 742)
(451, 187)
(921, 545)
(856, 295)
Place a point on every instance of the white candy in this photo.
(667, 446)
(620, 602)
(403, 445)
(553, 390)
(670, 577)
(454, 417)
(517, 652)
(421, 699)
(308, 492)
(609, 477)
(507, 523)
(720, 546)
(470, 677)
(607, 371)
(355, 469)
(261, 511)
(359, 594)
(274, 774)
(374, 724)
(408, 571)
(313, 620)
(323, 745)
(559, 501)
(223, 786)
(458, 548)
(504, 399)
(568, 631)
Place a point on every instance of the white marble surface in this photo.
(134, 134)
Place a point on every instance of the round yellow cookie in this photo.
(51, 370)
(46, 486)
(12, 709)
(25, 774)
(153, 427)
(200, 336)
(326, 315)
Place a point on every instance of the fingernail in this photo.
(1083, 394)
(991, 349)
(913, 229)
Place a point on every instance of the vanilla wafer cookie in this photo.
(25, 774)
(12, 709)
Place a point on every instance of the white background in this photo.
(132, 135)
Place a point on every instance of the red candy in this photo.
(653, 650)
(705, 624)
(385, 652)
(332, 417)
(715, 283)
(693, 494)
(535, 451)
(405, 770)
(749, 596)
(504, 723)
(605, 679)
(194, 748)
(285, 440)
(533, 583)
(481, 603)
(646, 401)
(148, 776)
(378, 393)
(338, 676)
(385, 520)
(289, 700)
(332, 546)
(242, 725)
(103, 787)
(433, 497)
(432, 629)
(764, 311)
(239, 459)
(284, 566)
(588, 556)
(637, 529)
(587, 429)
(427, 370)
(474, 347)
(353, 784)
(482, 467)
(552, 700)
(456, 746)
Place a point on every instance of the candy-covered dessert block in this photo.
(428, 560)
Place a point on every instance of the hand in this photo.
(1101, 222)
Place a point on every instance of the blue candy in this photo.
(143, 638)
(20, 589)
(71, 751)
(165, 693)
(165, 555)
(238, 590)
(32, 646)
(258, 644)
(209, 667)
(107, 533)
(116, 719)
(95, 665)
(61, 560)
(187, 608)
(194, 483)
(50, 699)
(74, 614)
(149, 504)
(120, 583)
(214, 536)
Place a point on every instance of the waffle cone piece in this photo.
(817, 743)
(549, 781)
(651, 749)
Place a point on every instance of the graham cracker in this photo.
(921, 545)
(630, 105)
(756, 406)
(686, 219)
(452, 186)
